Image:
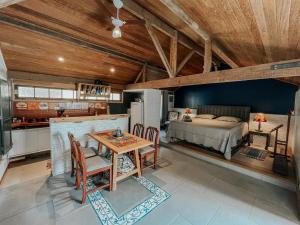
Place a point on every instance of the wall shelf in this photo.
(86, 91)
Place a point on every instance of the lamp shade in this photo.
(260, 117)
(187, 110)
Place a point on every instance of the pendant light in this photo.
(116, 21)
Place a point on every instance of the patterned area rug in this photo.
(106, 207)
(254, 153)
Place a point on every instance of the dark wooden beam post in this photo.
(173, 54)
(263, 71)
(184, 61)
(159, 49)
(207, 57)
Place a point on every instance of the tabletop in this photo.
(266, 131)
(128, 142)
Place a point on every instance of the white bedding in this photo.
(220, 135)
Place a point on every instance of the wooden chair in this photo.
(151, 135)
(89, 167)
(88, 152)
(138, 130)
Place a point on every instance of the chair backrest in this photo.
(152, 135)
(81, 159)
(138, 130)
(72, 139)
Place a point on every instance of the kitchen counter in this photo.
(29, 125)
(80, 127)
(29, 141)
(87, 118)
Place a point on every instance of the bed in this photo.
(221, 136)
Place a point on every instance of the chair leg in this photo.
(155, 159)
(72, 167)
(110, 179)
(141, 163)
(77, 184)
(84, 193)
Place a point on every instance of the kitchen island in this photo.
(79, 126)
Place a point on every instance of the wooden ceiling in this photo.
(88, 20)
(251, 32)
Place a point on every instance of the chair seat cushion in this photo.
(146, 150)
(89, 152)
(96, 163)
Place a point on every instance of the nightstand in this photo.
(264, 133)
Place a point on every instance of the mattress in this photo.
(219, 135)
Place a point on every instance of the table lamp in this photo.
(186, 117)
(260, 117)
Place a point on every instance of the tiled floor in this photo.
(202, 193)
(25, 172)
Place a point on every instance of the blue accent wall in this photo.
(267, 96)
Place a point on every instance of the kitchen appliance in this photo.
(5, 117)
(136, 113)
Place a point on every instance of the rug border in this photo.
(168, 195)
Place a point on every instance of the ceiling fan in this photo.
(118, 23)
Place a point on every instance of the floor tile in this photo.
(81, 216)
(180, 221)
(42, 214)
(231, 216)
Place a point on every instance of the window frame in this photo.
(49, 99)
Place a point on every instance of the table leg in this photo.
(267, 142)
(137, 162)
(100, 148)
(249, 139)
(115, 166)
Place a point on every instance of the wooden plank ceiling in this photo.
(251, 32)
(88, 20)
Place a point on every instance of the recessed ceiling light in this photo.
(112, 70)
(61, 59)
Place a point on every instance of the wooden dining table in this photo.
(120, 145)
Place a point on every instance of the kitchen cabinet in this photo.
(28, 141)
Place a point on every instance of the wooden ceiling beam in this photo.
(5, 3)
(171, 5)
(159, 49)
(184, 61)
(142, 74)
(156, 22)
(9, 20)
(263, 71)
(173, 54)
(207, 56)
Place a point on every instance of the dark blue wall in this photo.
(268, 96)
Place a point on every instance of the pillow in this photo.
(173, 116)
(206, 116)
(228, 119)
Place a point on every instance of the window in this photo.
(68, 94)
(41, 92)
(25, 92)
(44, 93)
(115, 97)
(55, 93)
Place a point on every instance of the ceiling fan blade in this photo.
(137, 22)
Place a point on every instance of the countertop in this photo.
(87, 118)
(29, 124)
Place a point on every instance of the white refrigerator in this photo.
(136, 114)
